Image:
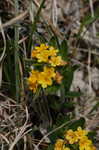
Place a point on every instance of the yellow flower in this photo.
(38, 50)
(43, 56)
(52, 51)
(32, 80)
(93, 147)
(41, 78)
(33, 76)
(47, 54)
(34, 53)
(45, 77)
(90, 148)
(59, 144)
(80, 133)
(56, 61)
(58, 77)
(85, 143)
(42, 47)
(71, 136)
(34, 73)
(44, 80)
(50, 72)
(66, 148)
(33, 87)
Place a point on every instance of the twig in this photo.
(54, 12)
(89, 51)
(16, 19)
(22, 40)
(85, 10)
(89, 71)
(92, 14)
(86, 51)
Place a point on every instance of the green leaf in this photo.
(68, 77)
(54, 42)
(72, 94)
(59, 133)
(92, 135)
(68, 104)
(50, 147)
(62, 119)
(77, 123)
(56, 135)
(56, 105)
(41, 38)
(64, 50)
(88, 20)
(67, 73)
(54, 102)
(52, 89)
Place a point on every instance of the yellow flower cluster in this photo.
(43, 78)
(47, 54)
(75, 137)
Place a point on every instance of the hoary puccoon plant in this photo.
(50, 68)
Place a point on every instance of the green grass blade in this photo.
(33, 27)
(17, 70)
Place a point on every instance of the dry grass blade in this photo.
(4, 50)
(92, 14)
(16, 19)
(54, 13)
(25, 140)
(49, 22)
(4, 138)
(21, 133)
(4, 39)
